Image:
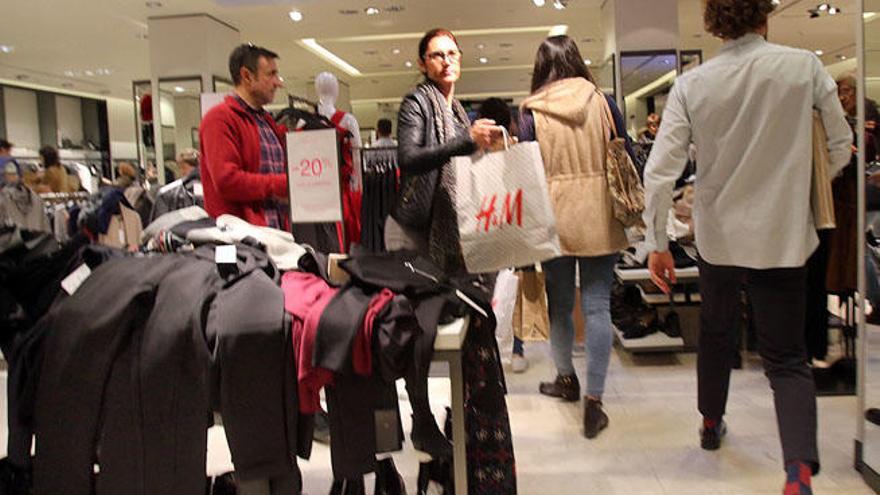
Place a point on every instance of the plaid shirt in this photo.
(272, 161)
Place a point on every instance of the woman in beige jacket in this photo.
(567, 115)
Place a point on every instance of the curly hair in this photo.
(730, 19)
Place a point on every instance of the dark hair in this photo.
(248, 56)
(49, 156)
(383, 127)
(558, 58)
(5, 145)
(434, 33)
(730, 19)
(497, 110)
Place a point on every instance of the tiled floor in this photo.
(651, 446)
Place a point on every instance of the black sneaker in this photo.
(595, 419)
(710, 438)
(565, 387)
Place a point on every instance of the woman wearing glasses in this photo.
(570, 118)
(433, 127)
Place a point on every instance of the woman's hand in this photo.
(483, 131)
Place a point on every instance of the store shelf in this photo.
(656, 342)
(639, 274)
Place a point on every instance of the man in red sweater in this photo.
(243, 155)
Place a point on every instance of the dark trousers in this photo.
(816, 324)
(778, 298)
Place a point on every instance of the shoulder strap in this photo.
(608, 119)
(337, 117)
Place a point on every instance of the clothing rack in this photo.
(61, 197)
(292, 100)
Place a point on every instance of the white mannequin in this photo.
(327, 87)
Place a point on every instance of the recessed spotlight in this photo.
(7, 48)
(88, 73)
(841, 57)
(371, 10)
(819, 52)
(153, 4)
(559, 4)
(481, 46)
(69, 73)
(484, 60)
(775, 2)
(395, 51)
(823, 7)
(179, 89)
(833, 11)
(280, 78)
(408, 64)
(538, 3)
(295, 15)
(588, 61)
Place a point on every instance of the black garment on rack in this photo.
(380, 191)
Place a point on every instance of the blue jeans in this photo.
(596, 276)
(517, 346)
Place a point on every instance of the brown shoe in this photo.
(565, 387)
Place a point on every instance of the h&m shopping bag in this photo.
(531, 321)
(504, 213)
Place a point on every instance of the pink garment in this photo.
(362, 349)
(305, 298)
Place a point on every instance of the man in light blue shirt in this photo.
(749, 112)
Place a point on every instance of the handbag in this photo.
(624, 185)
(416, 200)
(821, 195)
(531, 320)
(503, 208)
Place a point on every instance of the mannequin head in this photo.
(327, 87)
(732, 19)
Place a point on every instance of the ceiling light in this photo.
(280, 78)
(775, 2)
(833, 11)
(371, 10)
(408, 64)
(295, 15)
(538, 3)
(867, 16)
(395, 51)
(841, 57)
(314, 47)
(588, 61)
(484, 60)
(819, 52)
(89, 73)
(559, 4)
(558, 30)
(7, 48)
(823, 7)
(481, 47)
(179, 89)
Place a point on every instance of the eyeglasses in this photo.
(451, 55)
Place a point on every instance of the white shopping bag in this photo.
(504, 213)
(503, 305)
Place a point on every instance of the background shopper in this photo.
(567, 114)
(753, 220)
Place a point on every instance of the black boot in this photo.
(426, 437)
(595, 419)
(388, 480)
(565, 387)
(348, 487)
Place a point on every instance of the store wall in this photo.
(187, 116)
(123, 135)
(22, 118)
(69, 118)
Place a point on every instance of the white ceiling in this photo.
(54, 37)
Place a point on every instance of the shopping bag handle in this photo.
(506, 137)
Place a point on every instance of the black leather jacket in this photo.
(178, 196)
(418, 150)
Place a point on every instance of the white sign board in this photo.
(313, 176)
(211, 100)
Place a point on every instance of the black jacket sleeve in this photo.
(417, 152)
